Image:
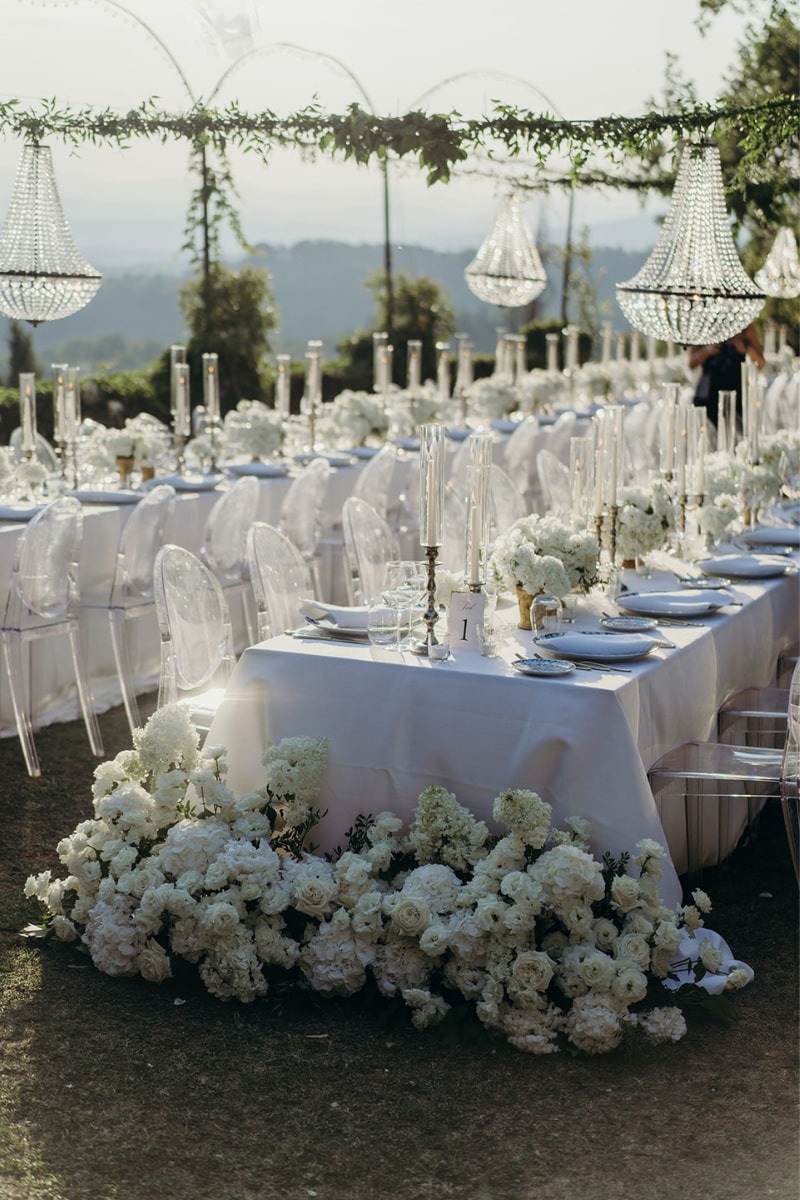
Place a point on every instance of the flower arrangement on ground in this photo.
(546, 554)
(550, 946)
(646, 516)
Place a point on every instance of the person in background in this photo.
(722, 369)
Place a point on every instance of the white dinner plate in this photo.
(19, 512)
(264, 470)
(744, 566)
(690, 603)
(335, 460)
(543, 666)
(107, 496)
(346, 617)
(773, 535)
(628, 624)
(597, 645)
(342, 631)
(363, 451)
(504, 425)
(406, 443)
(458, 435)
(189, 483)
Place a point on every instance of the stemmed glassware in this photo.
(402, 592)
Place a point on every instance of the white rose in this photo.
(598, 971)
(411, 916)
(154, 963)
(625, 892)
(434, 940)
(313, 896)
(531, 971)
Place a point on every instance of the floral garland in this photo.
(548, 945)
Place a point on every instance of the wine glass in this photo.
(403, 586)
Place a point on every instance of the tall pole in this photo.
(565, 286)
(387, 253)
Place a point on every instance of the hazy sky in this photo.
(584, 58)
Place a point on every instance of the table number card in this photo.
(465, 614)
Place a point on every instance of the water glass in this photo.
(382, 627)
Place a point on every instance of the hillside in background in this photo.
(320, 293)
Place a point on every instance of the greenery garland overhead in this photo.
(439, 141)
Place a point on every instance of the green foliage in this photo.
(421, 310)
(21, 356)
(439, 141)
(230, 313)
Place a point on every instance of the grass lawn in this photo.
(114, 1089)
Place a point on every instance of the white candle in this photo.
(612, 472)
(442, 372)
(182, 415)
(59, 402)
(521, 364)
(552, 351)
(211, 386)
(72, 402)
(414, 368)
(700, 481)
(177, 354)
(681, 450)
(598, 481)
(27, 410)
(430, 527)
(432, 449)
(474, 553)
(605, 353)
(379, 340)
(283, 385)
(668, 438)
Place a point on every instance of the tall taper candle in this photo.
(283, 381)
(27, 411)
(413, 364)
(181, 419)
(432, 480)
(59, 402)
(211, 386)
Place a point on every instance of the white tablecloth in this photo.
(584, 742)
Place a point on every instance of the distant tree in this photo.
(21, 356)
(231, 313)
(421, 310)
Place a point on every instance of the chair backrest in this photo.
(44, 578)
(554, 482)
(375, 479)
(225, 535)
(301, 512)
(195, 625)
(43, 452)
(790, 768)
(280, 578)
(519, 458)
(139, 543)
(368, 545)
(506, 502)
(560, 433)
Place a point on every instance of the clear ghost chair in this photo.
(196, 641)
(301, 514)
(557, 441)
(42, 601)
(280, 578)
(725, 775)
(506, 503)
(375, 479)
(554, 483)
(131, 592)
(369, 544)
(225, 542)
(43, 452)
(520, 459)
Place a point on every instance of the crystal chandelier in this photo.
(42, 274)
(780, 275)
(507, 270)
(693, 288)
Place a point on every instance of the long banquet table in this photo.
(397, 724)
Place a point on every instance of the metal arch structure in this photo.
(320, 55)
(551, 107)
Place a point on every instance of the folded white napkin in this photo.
(686, 958)
(345, 616)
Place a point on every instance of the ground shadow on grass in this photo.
(113, 1089)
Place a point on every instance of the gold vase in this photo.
(148, 471)
(524, 600)
(125, 468)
